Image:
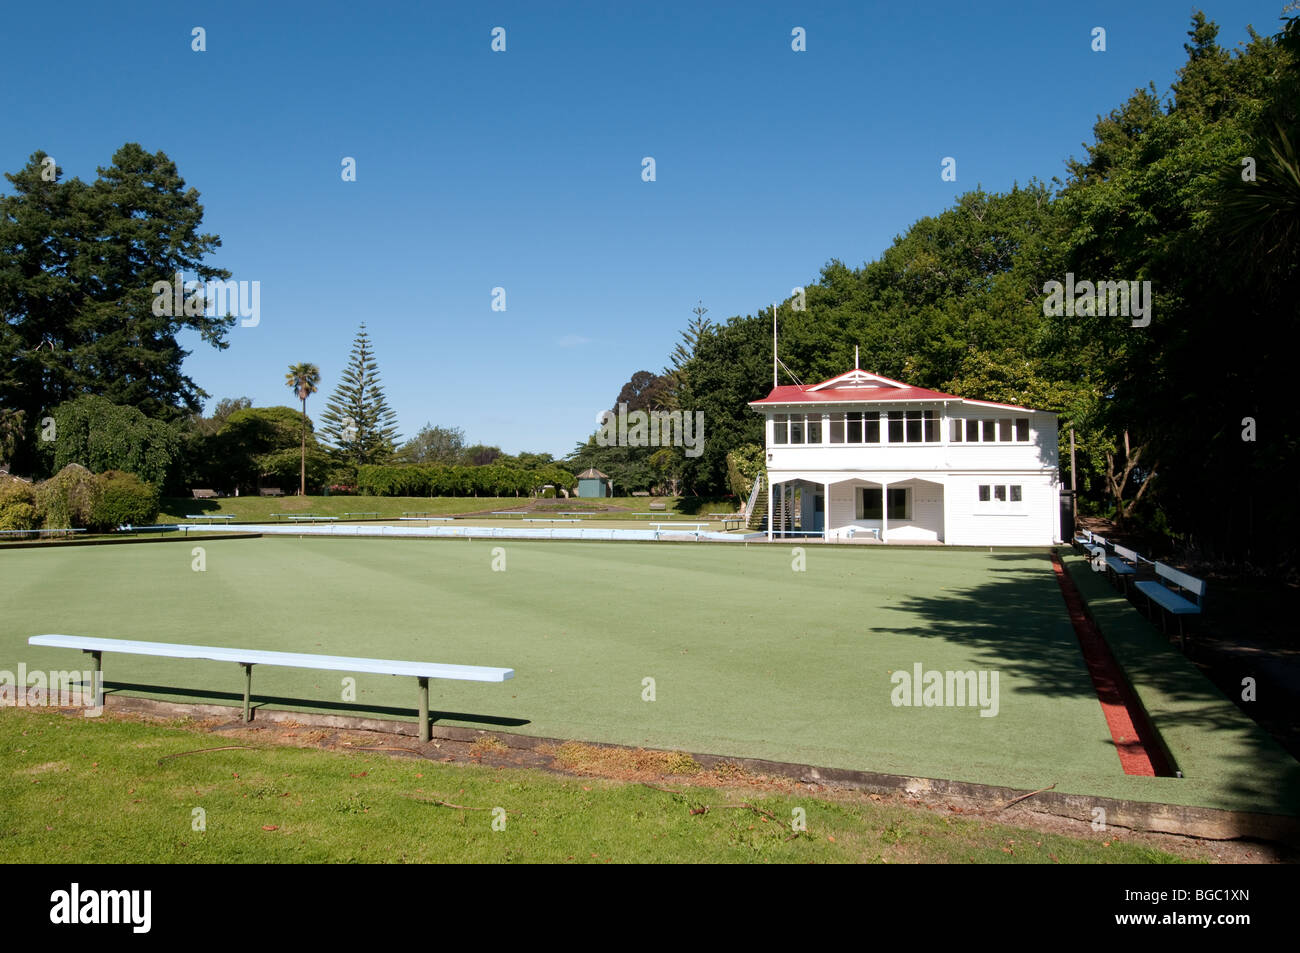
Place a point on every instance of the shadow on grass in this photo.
(1017, 619)
(351, 708)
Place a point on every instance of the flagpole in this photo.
(774, 346)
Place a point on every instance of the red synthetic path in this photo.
(1135, 740)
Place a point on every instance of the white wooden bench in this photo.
(1121, 565)
(421, 671)
(1168, 599)
(695, 528)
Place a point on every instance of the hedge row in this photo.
(440, 480)
(76, 498)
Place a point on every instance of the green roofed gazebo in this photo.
(591, 482)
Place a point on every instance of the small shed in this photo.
(592, 482)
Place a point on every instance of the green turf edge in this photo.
(109, 791)
(1205, 733)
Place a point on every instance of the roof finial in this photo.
(855, 358)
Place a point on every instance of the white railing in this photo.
(753, 496)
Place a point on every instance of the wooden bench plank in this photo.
(338, 663)
(1167, 598)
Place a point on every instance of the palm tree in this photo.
(302, 379)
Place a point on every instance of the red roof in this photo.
(858, 387)
(794, 394)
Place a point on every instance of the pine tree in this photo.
(357, 422)
(682, 353)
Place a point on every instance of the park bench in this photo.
(204, 494)
(1122, 565)
(421, 671)
(728, 520)
(208, 516)
(307, 517)
(1168, 597)
(695, 528)
(873, 530)
(270, 491)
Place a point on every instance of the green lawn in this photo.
(749, 658)
(76, 790)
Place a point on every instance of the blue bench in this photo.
(1122, 565)
(421, 671)
(683, 528)
(1169, 597)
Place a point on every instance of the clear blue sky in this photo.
(522, 169)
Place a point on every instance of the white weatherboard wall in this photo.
(1032, 522)
(942, 475)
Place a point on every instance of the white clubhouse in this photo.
(862, 456)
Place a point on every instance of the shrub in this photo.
(17, 505)
(125, 498)
(68, 498)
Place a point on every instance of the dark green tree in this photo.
(357, 422)
(78, 264)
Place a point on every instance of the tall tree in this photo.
(357, 421)
(302, 380)
(433, 445)
(78, 264)
(683, 351)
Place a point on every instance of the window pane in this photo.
(898, 504)
(913, 426)
(868, 503)
(796, 428)
(999, 492)
(989, 427)
(780, 429)
(1004, 429)
(931, 427)
(814, 428)
(972, 430)
(1022, 429)
(837, 428)
(955, 430)
(984, 492)
(1015, 494)
(855, 427)
(895, 426)
(871, 429)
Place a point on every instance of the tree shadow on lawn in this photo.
(352, 708)
(1017, 621)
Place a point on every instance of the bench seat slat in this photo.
(338, 663)
(1167, 598)
(1120, 567)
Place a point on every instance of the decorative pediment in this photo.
(857, 380)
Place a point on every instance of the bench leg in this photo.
(424, 709)
(98, 686)
(248, 691)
